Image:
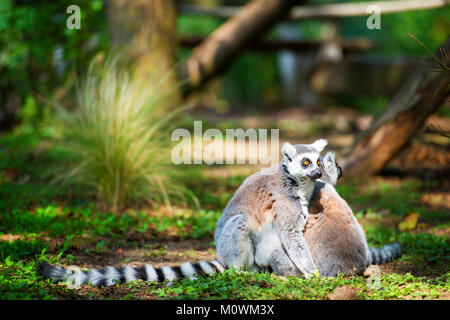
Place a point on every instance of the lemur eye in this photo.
(318, 162)
(306, 162)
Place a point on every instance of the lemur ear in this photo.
(330, 157)
(320, 144)
(288, 150)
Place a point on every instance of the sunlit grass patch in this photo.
(195, 224)
(68, 221)
(398, 198)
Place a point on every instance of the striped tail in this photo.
(385, 254)
(110, 276)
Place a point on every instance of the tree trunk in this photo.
(396, 125)
(236, 34)
(146, 30)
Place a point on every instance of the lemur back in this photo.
(335, 239)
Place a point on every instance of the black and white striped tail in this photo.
(110, 276)
(385, 254)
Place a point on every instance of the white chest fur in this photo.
(305, 192)
(266, 241)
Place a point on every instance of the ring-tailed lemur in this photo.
(334, 237)
(261, 227)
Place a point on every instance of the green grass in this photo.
(42, 221)
(398, 200)
(269, 286)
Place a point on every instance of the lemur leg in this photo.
(290, 223)
(234, 245)
(282, 265)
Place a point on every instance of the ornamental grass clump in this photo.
(119, 134)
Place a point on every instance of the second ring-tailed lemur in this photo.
(247, 234)
(334, 237)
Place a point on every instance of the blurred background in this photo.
(39, 54)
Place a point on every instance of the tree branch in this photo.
(392, 130)
(218, 50)
(338, 10)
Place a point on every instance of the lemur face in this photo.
(302, 161)
(331, 171)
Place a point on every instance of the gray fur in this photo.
(385, 254)
(334, 253)
(278, 243)
(239, 255)
(330, 169)
(339, 244)
(282, 265)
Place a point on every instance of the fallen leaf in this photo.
(409, 222)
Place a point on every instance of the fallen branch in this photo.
(338, 10)
(218, 50)
(297, 46)
(392, 130)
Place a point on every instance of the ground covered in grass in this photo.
(39, 220)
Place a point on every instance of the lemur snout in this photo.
(316, 174)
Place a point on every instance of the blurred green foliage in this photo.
(430, 26)
(241, 86)
(38, 51)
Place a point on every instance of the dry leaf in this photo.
(345, 293)
(409, 222)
